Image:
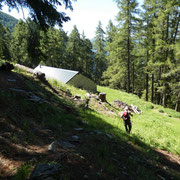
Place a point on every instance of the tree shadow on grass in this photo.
(27, 128)
(127, 156)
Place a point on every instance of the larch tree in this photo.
(120, 50)
(165, 23)
(73, 50)
(87, 56)
(100, 63)
(53, 46)
(25, 44)
(5, 38)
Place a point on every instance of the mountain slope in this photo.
(34, 114)
(7, 20)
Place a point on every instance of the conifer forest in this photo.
(139, 54)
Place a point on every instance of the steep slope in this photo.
(33, 115)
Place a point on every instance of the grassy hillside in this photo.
(33, 114)
(158, 127)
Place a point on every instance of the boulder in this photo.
(63, 144)
(45, 172)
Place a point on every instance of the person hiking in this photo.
(127, 120)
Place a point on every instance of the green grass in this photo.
(23, 172)
(156, 129)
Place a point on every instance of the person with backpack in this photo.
(127, 120)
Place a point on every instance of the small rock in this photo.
(75, 137)
(86, 176)
(78, 129)
(52, 146)
(65, 144)
(115, 160)
(77, 97)
(17, 90)
(88, 95)
(33, 97)
(59, 126)
(99, 132)
(47, 131)
(11, 80)
(45, 171)
(109, 136)
(85, 122)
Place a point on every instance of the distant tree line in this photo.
(140, 55)
(7, 20)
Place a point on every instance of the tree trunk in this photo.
(133, 79)
(152, 89)
(159, 96)
(177, 106)
(128, 48)
(147, 86)
(164, 99)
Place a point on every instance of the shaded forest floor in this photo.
(27, 128)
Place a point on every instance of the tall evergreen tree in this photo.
(5, 38)
(87, 56)
(164, 32)
(120, 50)
(100, 64)
(53, 46)
(73, 50)
(25, 44)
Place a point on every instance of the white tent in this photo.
(68, 77)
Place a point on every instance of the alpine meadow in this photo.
(51, 130)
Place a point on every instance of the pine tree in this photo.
(164, 20)
(100, 63)
(53, 46)
(87, 56)
(5, 38)
(25, 44)
(121, 57)
(73, 50)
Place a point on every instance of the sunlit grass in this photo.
(156, 129)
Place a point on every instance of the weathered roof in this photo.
(62, 75)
